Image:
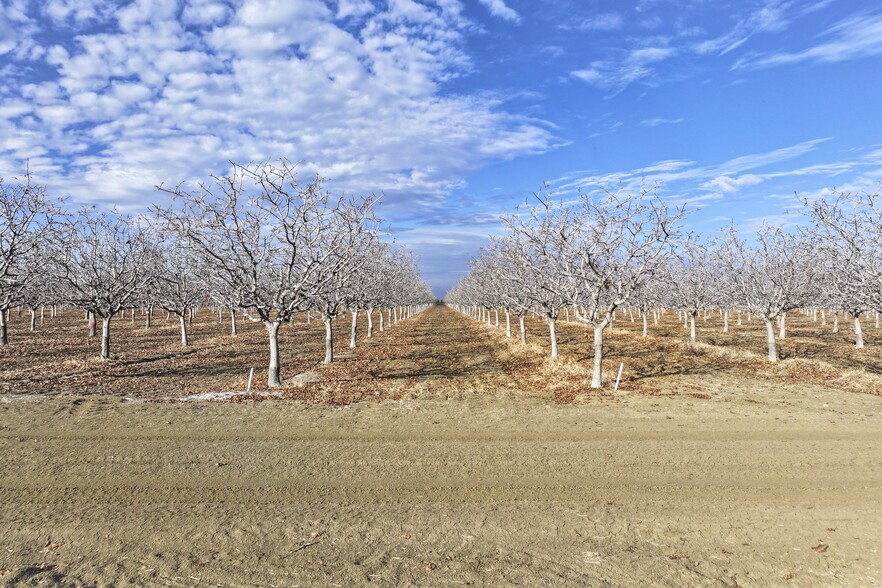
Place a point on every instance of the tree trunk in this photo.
(149, 318)
(858, 332)
(105, 338)
(382, 326)
(770, 332)
(92, 323)
(597, 373)
(233, 329)
(521, 319)
(4, 329)
(496, 311)
(782, 323)
(835, 322)
(352, 331)
(552, 334)
(692, 326)
(273, 380)
(43, 313)
(645, 324)
(726, 321)
(185, 341)
(823, 317)
(33, 319)
(507, 323)
(370, 317)
(329, 340)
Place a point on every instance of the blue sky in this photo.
(455, 110)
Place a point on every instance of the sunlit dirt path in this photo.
(458, 478)
(438, 353)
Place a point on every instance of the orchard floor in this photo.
(458, 466)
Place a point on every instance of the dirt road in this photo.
(453, 484)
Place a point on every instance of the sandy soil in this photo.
(464, 472)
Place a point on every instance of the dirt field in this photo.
(467, 462)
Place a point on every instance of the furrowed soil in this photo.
(441, 453)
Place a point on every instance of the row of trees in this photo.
(256, 242)
(605, 251)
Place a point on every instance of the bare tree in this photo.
(178, 287)
(274, 247)
(849, 227)
(26, 221)
(102, 265)
(771, 277)
(598, 252)
(533, 246)
(691, 280)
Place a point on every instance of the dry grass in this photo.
(437, 354)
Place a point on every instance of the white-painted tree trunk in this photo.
(90, 316)
(692, 327)
(329, 340)
(105, 338)
(273, 380)
(185, 340)
(645, 324)
(858, 332)
(370, 319)
(353, 330)
(234, 330)
(507, 323)
(770, 334)
(552, 335)
(782, 326)
(521, 320)
(597, 372)
(726, 321)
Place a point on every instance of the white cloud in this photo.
(771, 17)
(853, 38)
(656, 122)
(607, 21)
(152, 101)
(499, 9)
(616, 75)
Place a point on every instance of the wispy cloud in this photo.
(656, 122)
(853, 38)
(772, 16)
(616, 75)
(501, 10)
(700, 185)
(607, 21)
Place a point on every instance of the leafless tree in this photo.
(849, 227)
(102, 265)
(691, 279)
(769, 278)
(179, 287)
(601, 250)
(273, 246)
(26, 222)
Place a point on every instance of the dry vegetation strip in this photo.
(438, 353)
